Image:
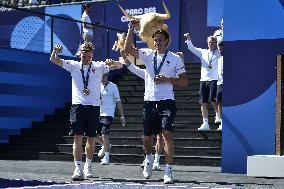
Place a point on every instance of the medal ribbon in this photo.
(157, 70)
(86, 79)
(210, 59)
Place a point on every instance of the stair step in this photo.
(141, 93)
(131, 149)
(138, 112)
(195, 74)
(138, 106)
(129, 87)
(121, 133)
(134, 119)
(178, 99)
(197, 142)
(192, 66)
(115, 149)
(141, 82)
(46, 140)
(138, 149)
(188, 66)
(117, 158)
(117, 125)
(180, 106)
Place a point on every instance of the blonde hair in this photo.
(214, 39)
(87, 46)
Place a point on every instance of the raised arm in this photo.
(128, 47)
(113, 65)
(134, 69)
(54, 55)
(191, 47)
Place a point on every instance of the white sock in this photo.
(157, 158)
(149, 157)
(88, 162)
(217, 115)
(78, 164)
(168, 167)
(106, 155)
(205, 120)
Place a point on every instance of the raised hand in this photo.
(109, 62)
(123, 59)
(133, 23)
(58, 48)
(187, 36)
(54, 55)
(123, 54)
(113, 64)
(180, 54)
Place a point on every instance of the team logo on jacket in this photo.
(93, 70)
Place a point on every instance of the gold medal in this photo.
(86, 91)
(156, 79)
(210, 66)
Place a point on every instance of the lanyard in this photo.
(86, 79)
(157, 70)
(210, 59)
(105, 86)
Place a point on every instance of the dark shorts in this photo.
(207, 91)
(104, 125)
(84, 119)
(219, 93)
(158, 116)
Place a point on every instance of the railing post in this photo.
(51, 34)
(108, 44)
(279, 105)
(134, 40)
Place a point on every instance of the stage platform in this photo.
(56, 174)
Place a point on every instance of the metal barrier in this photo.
(38, 31)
